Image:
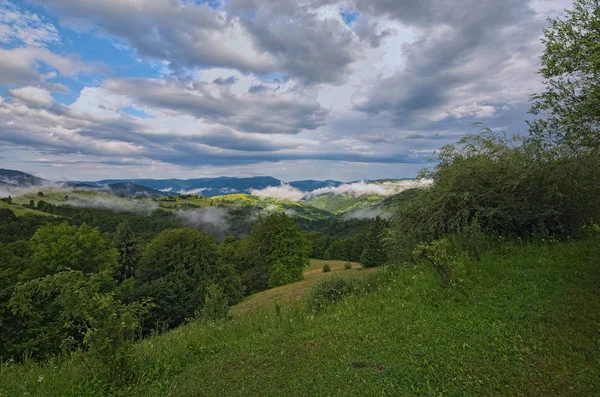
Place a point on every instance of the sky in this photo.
(312, 89)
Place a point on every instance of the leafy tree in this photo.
(375, 254)
(335, 251)
(127, 248)
(356, 250)
(63, 247)
(277, 252)
(571, 69)
(7, 215)
(274, 253)
(174, 272)
(71, 310)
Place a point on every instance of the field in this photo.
(20, 210)
(521, 321)
(291, 294)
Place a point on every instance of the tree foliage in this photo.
(375, 253)
(275, 253)
(570, 103)
(127, 248)
(63, 247)
(509, 187)
(174, 273)
(71, 310)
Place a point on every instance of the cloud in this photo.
(362, 188)
(113, 204)
(193, 191)
(366, 213)
(283, 192)
(20, 66)
(19, 27)
(211, 220)
(32, 96)
(259, 87)
(469, 59)
(271, 114)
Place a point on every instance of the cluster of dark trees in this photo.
(365, 247)
(64, 284)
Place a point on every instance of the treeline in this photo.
(329, 247)
(65, 287)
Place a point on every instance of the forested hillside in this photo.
(487, 279)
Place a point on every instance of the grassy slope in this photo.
(299, 209)
(525, 321)
(289, 294)
(20, 211)
(343, 203)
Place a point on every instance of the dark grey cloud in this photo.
(227, 81)
(469, 59)
(60, 130)
(270, 114)
(311, 48)
(257, 88)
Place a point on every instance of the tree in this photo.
(276, 253)
(126, 245)
(6, 214)
(174, 272)
(64, 247)
(216, 303)
(69, 310)
(571, 69)
(374, 253)
(335, 251)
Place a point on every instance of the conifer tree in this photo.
(127, 246)
(374, 253)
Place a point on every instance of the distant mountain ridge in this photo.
(152, 188)
(11, 179)
(211, 187)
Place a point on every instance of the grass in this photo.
(19, 210)
(522, 321)
(293, 294)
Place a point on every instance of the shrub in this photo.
(216, 303)
(509, 188)
(326, 268)
(330, 290)
(436, 253)
(348, 266)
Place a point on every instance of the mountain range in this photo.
(152, 188)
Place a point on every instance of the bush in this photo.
(437, 254)
(348, 266)
(330, 290)
(326, 268)
(216, 303)
(509, 188)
